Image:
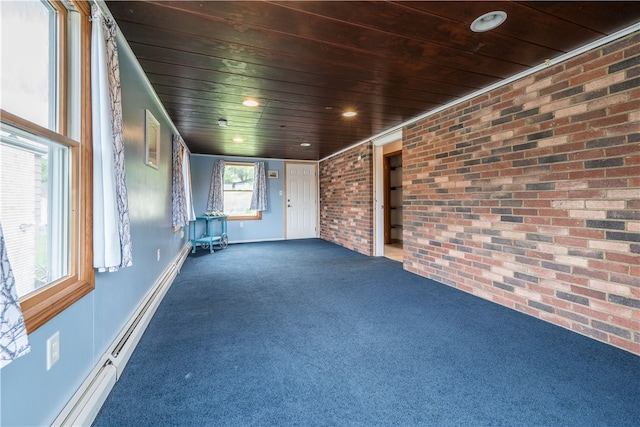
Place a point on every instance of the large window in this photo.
(238, 190)
(45, 196)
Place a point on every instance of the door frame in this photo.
(317, 195)
(378, 188)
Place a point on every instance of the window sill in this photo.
(258, 217)
(43, 306)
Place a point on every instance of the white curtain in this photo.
(179, 208)
(259, 196)
(186, 172)
(14, 341)
(111, 227)
(215, 202)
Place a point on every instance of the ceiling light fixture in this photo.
(305, 144)
(222, 122)
(349, 114)
(238, 139)
(250, 103)
(488, 21)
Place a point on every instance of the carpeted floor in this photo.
(307, 333)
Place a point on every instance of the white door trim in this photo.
(378, 188)
(378, 200)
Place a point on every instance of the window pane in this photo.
(238, 189)
(34, 208)
(236, 203)
(238, 178)
(29, 61)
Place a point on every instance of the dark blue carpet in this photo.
(307, 333)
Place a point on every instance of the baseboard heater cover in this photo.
(83, 407)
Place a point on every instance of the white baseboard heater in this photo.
(83, 407)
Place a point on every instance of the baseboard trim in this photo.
(233, 242)
(83, 407)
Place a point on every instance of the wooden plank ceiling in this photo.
(306, 62)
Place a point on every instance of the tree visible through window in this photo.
(238, 189)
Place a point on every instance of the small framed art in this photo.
(272, 174)
(151, 140)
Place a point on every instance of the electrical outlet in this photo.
(53, 350)
(182, 234)
(158, 255)
(241, 224)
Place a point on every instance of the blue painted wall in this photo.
(271, 227)
(29, 394)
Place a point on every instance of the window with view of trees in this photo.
(238, 189)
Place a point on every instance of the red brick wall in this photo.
(529, 196)
(346, 199)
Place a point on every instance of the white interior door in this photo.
(301, 200)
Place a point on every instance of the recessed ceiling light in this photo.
(238, 139)
(305, 144)
(349, 114)
(250, 103)
(222, 122)
(488, 21)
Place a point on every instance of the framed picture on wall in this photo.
(273, 174)
(151, 140)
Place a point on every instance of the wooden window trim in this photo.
(43, 305)
(257, 217)
(87, 273)
(19, 122)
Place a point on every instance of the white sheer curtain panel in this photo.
(186, 172)
(259, 196)
(179, 214)
(14, 341)
(111, 227)
(215, 201)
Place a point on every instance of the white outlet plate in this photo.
(241, 224)
(53, 350)
(158, 256)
